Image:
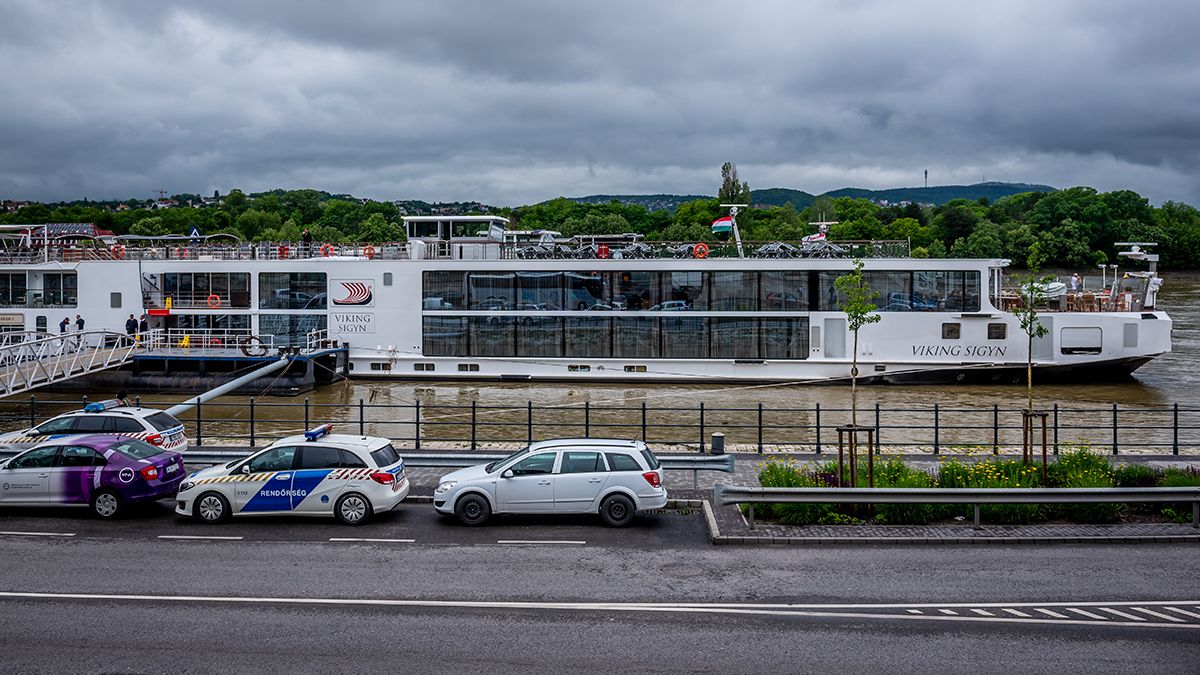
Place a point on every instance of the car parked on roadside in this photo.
(105, 417)
(614, 478)
(102, 471)
(317, 473)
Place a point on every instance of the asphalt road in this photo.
(296, 596)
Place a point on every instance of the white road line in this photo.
(38, 534)
(1016, 613)
(948, 611)
(665, 608)
(1160, 615)
(982, 612)
(367, 539)
(1049, 613)
(915, 611)
(1184, 612)
(540, 541)
(1123, 615)
(1090, 615)
(198, 537)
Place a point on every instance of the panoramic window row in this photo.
(617, 337)
(765, 291)
(192, 289)
(291, 290)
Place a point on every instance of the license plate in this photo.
(398, 484)
(172, 468)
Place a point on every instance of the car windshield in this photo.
(162, 421)
(385, 456)
(136, 449)
(500, 462)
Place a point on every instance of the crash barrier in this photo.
(931, 429)
(725, 495)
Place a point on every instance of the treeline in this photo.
(1077, 227)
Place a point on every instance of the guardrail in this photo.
(725, 495)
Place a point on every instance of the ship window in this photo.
(238, 323)
(387, 278)
(784, 291)
(468, 367)
(445, 336)
(785, 338)
(291, 290)
(376, 365)
(895, 291)
(443, 290)
(951, 331)
(191, 289)
(423, 367)
(588, 336)
(579, 369)
(635, 291)
(635, 369)
(734, 338)
(997, 331)
(12, 289)
(60, 289)
(491, 336)
(114, 300)
(635, 337)
(734, 291)
(686, 290)
(539, 336)
(830, 298)
(40, 324)
(291, 329)
(1080, 340)
(685, 337)
(492, 291)
(539, 291)
(586, 291)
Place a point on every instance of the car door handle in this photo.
(43, 475)
(593, 480)
(543, 482)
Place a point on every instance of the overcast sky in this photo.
(513, 102)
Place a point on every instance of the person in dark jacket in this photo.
(144, 325)
(66, 322)
(78, 323)
(131, 325)
(307, 240)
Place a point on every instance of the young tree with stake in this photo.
(860, 311)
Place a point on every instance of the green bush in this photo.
(1172, 477)
(896, 474)
(995, 473)
(1135, 475)
(786, 474)
(1080, 460)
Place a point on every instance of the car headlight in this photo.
(187, 485)
(445, 486)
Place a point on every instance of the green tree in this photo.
(1033, 294)
(732, 192)
(377, 230)
(860, 311)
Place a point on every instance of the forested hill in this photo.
(800, 200)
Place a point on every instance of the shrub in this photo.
(896, 474)
(1135, 475)
(996, 473)
(1080, 460)
(786, 474)
(1189, 477)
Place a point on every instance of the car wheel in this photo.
(472, 509)
(106, 504)
(617, 511)
(352, 509)
(211, 507)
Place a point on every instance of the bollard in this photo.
(718, 443)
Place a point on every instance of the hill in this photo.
(650, 202)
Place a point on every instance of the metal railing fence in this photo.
(933, 429)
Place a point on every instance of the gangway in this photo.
(29, 360)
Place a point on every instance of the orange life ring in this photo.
(214, 342)
(181, 253)
(118, 251)
(326, 250)
(214, 301)
(369, 251)
(283, 251)
(700, 250)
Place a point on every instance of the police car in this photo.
(317, 473)
(112, 417)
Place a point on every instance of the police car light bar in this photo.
(101, 406)
(317, 432)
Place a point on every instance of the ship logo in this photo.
(357, 293)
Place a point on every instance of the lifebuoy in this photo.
(214, 301)
(253, 345)
(118, 251)
(283, 251)
(214, 342)
(181, 253)
(369, 251)
(326, 250)
(700, 250)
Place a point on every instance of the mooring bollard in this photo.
(718, 443)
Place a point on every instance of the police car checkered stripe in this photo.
(140, 436)
(336, 474)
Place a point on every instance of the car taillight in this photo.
(383, 477)
(652, 478)
(149, 472)
(154, 439)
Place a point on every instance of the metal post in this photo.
(362, 418)
(760, 428)
(33, 411)
(199, 420)
(995, 429)
(643, 421)
(1195, 514)
(306, 417)
(818, 425)
(587, 419)
(701, 426)
(252, 421)
(1114, 426)
(417, 423)
(876, 450)
(1056, 429)
(936, 429)
(473, 411)
(751, 518)
(1175, 430)
(977, 516)
(529, 421)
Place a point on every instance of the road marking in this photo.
(38, 534)
(1090, 615)
(1184, 612)
(1016, 613)
(982, 612)
(540, 541)
(1168, 617)
(368, 539)
(948, 611)
(198, 536)
(1123, 615)
(915, 611)
(1049, 613)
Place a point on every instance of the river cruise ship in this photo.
(461, 300)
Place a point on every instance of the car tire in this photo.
(473, 509)
(352, 509)
(617, 511)
(106, 505)
(211, 508)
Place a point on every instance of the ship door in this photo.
(1043, 347)
(835, 338)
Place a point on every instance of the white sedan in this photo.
(314, 474)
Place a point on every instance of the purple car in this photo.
(103, 472)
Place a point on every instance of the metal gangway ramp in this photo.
(30, 360)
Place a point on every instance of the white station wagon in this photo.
(614, 478)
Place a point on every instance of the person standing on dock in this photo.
(79, 323)
(144, 325)
(131, 325)
(62, 327)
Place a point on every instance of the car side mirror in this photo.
(508, 473)
(246, 468)
(34, 432)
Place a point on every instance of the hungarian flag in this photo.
(722, 225)
(820, 236)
